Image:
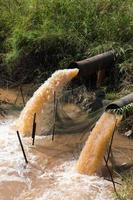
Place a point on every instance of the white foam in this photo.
(50, 174)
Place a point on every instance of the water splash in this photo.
(91, 157)
(50, 172)
(42, 103)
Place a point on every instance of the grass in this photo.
(112, 96)
(125, 192)
(41, 36)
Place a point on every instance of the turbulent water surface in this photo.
(50, 173)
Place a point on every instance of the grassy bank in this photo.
(40, 36)
(125, 191)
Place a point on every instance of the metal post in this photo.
(34, 129)
(55, 111)
(22, 148)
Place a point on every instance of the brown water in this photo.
(50, 174)
(91, 157)
(42, 103)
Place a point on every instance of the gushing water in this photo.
(50, 173)
(91, 157)
(42, 103)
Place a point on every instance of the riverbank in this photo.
(39, 38)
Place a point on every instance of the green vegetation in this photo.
(112, 96)
(125, 191)
(40, 36)
(127, 109)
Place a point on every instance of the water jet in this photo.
(42, 101)
(91, 157)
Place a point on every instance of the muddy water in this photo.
(91, 157)
(50, 173)
(43, 102)
(122, 149)
(11, 96)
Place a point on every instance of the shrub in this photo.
(44, 35)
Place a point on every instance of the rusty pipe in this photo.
(91, 65)
(121, 102)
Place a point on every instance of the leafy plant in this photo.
(127, 109)
(125, 191)
(64, 31)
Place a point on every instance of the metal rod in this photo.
(53, 133)
(106, 160)
(21, 91)
(16, 98)
(111, 181)
(55, 111)
(110, 173)
(22, 147)
(34, 129)
(110, 145)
